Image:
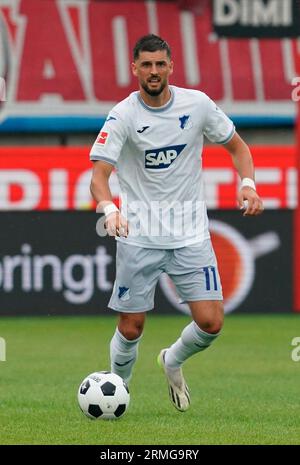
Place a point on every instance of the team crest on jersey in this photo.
(163, 157)
(124, 293)
(185, 122)
(102, 138)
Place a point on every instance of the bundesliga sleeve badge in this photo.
(102, 138)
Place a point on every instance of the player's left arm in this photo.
(243, 162)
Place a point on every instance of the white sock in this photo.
(123, 354)
(192, 340)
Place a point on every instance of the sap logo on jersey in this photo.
(163, 157)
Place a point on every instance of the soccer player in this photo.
(154, 139)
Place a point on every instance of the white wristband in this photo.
(110, 208)
(248, 182)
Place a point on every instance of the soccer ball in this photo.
(103, 395)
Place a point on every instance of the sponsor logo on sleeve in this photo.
(102, 138)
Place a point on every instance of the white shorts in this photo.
(192, 269)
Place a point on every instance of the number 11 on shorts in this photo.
(210, 272)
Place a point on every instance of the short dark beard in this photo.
(154, 93)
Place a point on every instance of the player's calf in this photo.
(123, 355)
(192, 340)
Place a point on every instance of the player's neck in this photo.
(157, 100)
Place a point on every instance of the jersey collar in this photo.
(164, 107)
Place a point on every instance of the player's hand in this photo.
(116, 225)
(250, 202)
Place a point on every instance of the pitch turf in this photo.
(245, 388)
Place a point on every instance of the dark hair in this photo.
(150, 43)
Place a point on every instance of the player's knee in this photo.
(212, 326)
(131, 329)
(208, 316)
(131, 333)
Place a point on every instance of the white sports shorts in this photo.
(192, 269)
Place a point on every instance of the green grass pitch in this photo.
(244, 388)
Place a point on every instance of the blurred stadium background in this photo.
(63, 65)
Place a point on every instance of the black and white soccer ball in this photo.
(103, 395)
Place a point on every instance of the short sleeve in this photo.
(218, 128)
(110, 140)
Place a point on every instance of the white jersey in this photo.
(157, 155)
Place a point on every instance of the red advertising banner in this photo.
(68, 58)
(47, 178)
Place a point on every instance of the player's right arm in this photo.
(104, 154)
(220, 129)
(115, 223)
